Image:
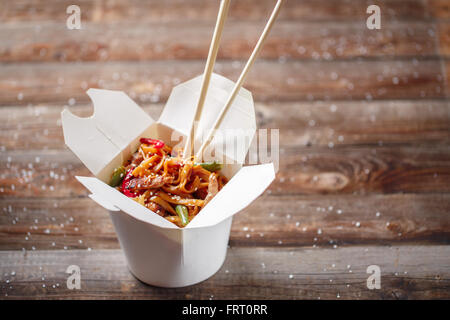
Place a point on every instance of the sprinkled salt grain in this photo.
(319, 231)
(291, 276)
(301, 50)
(377, 214)
(339, 211)
(247, 235)
(245, 228)
(358, 224)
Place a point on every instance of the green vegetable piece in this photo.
(183, 213)
(117, 176)
(211, 166)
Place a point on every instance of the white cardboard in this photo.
(241, 114)
(154, 246)
(116, 121)
(245, 186)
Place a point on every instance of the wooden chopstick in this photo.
(241, 79)
(213, 49)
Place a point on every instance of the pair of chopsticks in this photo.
(213, 49)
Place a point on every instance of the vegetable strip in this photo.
(172, 187)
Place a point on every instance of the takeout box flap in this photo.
(245, 186)
(240, 119)
(97, 139)
(110, 198)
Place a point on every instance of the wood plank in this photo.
(317, 123)
(203, 10)
(303, 170)
(24, 83)
(149, 41)
(446, 67)
(439, 8)
(407, 272)
(279, 221)
(444, 38)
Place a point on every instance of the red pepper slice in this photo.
(158, 144)
(126, 181)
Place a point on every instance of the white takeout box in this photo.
(157, 251)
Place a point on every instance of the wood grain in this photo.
(439, 8)
(364, 120)
(24, 83)
(318, 123)
(407, 272)
(203, 10)
(446, 68)
(79, 223)
(444, 38)
(303, 170)
(150, 41)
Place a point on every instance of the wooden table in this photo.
(364, 119)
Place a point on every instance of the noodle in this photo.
(173, 187)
